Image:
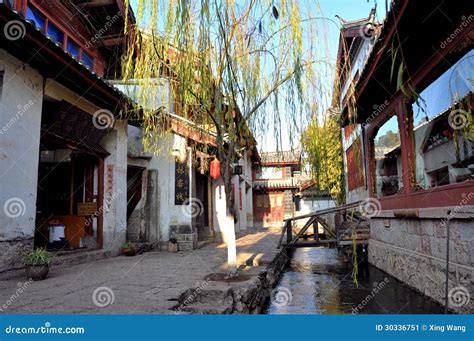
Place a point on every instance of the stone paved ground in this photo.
(146, 283)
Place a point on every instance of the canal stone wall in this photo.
(248, 294)
(413, 250)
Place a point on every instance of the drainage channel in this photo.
(317, 281)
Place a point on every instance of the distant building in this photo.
(278, 179)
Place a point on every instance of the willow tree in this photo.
(322, 144)
(236, 67)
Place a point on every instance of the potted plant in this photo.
(173, 245)
(129, 249)
(37, 264)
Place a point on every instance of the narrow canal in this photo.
(318, 282)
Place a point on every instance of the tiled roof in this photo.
(274, 184)
(281, 157)
(301, 183)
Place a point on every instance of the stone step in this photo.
(341, 231)
(357, 229)
(210, 293)
(64, 259)
(214, 295)
(350, 232)
(359, 236)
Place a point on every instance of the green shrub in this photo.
(38, 257)
(128, 245)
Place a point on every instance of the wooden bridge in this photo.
(350, 227)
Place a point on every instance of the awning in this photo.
(67, 124)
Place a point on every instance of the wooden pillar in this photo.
(337, 221)
(289, 232)
(407, 143)
(20, 6)
(100, 203)
(316, 230)
(370, 155)
(71, 188)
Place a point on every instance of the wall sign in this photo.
(85, 209)
(181, 186)
(110, 182)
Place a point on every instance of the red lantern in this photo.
(215, 169)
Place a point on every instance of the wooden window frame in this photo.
(442, 196)
(67, 34)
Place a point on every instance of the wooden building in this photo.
(60, 135)
(277, 180)
(405, 92)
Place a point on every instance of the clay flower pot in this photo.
(129, 249)
(37, 272)
(37, 264)
(173, 245)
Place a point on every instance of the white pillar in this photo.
(20, 122)
(115, 187)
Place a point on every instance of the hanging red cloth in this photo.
(215, 169)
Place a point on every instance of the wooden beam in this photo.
(303, 230)
(326, 211)
(325, 226)
(113, 40)
(289, 232)
(283, 230)
(350, 242)
(97, 3)
(192, 133)
(312, 243)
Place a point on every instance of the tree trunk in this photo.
(229, 224)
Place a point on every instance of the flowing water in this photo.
(318, 282)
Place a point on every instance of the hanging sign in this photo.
(85, 209)
(181, 187)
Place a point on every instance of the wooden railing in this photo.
(314, 218)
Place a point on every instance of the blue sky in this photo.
(327, 44)
(346, 9)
